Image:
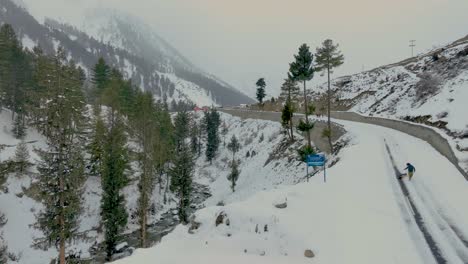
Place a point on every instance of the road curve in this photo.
(316, 134)
(427, 134)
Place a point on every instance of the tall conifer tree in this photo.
(327, 58)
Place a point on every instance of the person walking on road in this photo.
(411, 170)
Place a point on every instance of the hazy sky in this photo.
(242, 40)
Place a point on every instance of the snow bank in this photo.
(358, 216)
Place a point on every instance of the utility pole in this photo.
(412, 45)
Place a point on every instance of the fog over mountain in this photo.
(241, 40)
(128, 44)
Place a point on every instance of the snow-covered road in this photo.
(433, 200)
(361, 214)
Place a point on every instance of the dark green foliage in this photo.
(151, 127)
(182, 130)
(194, 137)
(182, 106)
(22, 157)
(61, 177)
(234, 146)
(261, 84)
(286, 117)
(182, 169)
(304, 151)
(114, 179)
(96, 147)
(301, 70)
(305, 127)
(212, 121)
(119, 94)
(15, 77)
(61, 166)
(290, 91)
(19, 128)
(101, 77)
(234, 174)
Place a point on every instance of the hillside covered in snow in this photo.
(267, 161)
(128, 45)
(360, 215)
(431, 88)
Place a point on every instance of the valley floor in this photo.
(360, 215)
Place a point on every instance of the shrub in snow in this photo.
(234, 174)
(442, 115)
(428, 85)
(304, 151)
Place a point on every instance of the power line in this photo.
(412, 45)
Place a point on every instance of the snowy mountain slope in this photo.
(267, 161)
(254, 177)
(392, 90)
(130, 33)
(18, 201)
(358, 216)
(431, 89)
(128, 45)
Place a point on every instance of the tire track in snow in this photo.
(435, 250)
(419, 207)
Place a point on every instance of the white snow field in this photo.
(359, 215)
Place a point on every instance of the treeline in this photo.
(301, 70)
(88, 133)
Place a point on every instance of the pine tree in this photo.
(22, 157)
(147, 126)
(181, 172)
(96, 147)
(287, 118)
(114, 179)
(212, 122)
(289, 90)
(61, 166)
(19, 128)
(302, 70)
(194, 139)
(233, 146)
(114, 166)
(100, 77)
(182, 130)
(327, 58)
(234, 174)
(261, 84)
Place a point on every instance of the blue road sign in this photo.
(315, 160)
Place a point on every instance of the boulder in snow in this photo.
(220, 218)
(309, 253)
(281, 205)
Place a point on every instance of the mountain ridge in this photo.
(148, 70)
